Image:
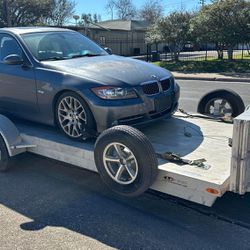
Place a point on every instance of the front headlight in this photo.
(114, 93)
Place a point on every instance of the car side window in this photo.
(9, 46)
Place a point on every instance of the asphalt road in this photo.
(48, 205)
(192, 91)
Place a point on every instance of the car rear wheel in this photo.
(74, 117)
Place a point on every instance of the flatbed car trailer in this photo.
(226, 168)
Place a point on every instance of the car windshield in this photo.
(61, 45)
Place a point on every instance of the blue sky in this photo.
(98, 6)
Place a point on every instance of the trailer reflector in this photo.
(213, 191)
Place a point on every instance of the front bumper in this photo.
(134, 112)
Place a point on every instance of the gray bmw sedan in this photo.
(60, 77)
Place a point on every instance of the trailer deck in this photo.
(191, 138)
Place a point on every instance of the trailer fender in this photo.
(11, 136)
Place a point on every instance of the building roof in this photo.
(127, 25)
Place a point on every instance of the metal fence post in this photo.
(206, 53)
(120, 47)
(147, 51)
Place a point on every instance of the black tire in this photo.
(89, 129)
(5, 158)
(143, 151)
(230, 96)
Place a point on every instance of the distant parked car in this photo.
(60, 77)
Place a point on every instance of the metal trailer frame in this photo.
(190, 137)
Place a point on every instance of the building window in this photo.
(102, 40)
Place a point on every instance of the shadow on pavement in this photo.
(56, 195)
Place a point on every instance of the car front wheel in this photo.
(74, 117)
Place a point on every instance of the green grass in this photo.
(209, 66)
(239, 56)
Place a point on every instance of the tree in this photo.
(6, 13)
(99, 17)
(151, 11)
(225, 23)
(33, 12)
(86, 19)
(95, 18)
(125, 9)
(174, 29)
(61, 12)
(23, 12)
(89, 18)
(110, 7)
(153, 35)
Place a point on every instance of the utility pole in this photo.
(6, 10)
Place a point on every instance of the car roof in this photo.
(26, 30)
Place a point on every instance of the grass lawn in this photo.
(210, 66)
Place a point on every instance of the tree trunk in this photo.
(230, 51)
(7, 13)
(220, 54)
(157, 47)
(248, 49)
(176, 56)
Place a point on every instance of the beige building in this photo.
(121, 36)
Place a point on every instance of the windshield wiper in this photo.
(85, 55)
(53, 58)
(57, 58)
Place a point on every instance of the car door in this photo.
(17, 82)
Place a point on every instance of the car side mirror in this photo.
(108, 50)
(13, 59)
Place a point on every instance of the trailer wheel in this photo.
(126, 160)
(4, 156)
(221, 103)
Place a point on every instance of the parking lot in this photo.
(49, 205)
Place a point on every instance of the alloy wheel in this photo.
(219, 107)
(72, 116)
(120, 163)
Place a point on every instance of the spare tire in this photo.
(4, 156)
(126, 160)
(228, 102)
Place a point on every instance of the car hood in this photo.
(110, 69)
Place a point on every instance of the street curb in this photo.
(212, 79)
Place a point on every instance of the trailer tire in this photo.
(138, 173)
(4, 156)
(231, 97)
